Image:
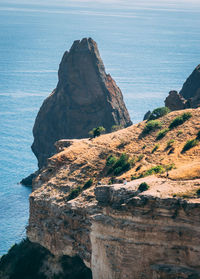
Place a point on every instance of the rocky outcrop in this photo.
(191, 87)
(175, 101)
(85, 97)
(147, 114)
(189, 96)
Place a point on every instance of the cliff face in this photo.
(189, 96)
(122, 233)
(85, 97)
(191, 87)
(118, 231)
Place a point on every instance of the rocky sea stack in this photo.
(85, 97)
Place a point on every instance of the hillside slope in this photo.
(85, 159)
(117, 230)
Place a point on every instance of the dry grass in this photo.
(86, 158)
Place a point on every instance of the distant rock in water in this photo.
(189, 96)
(191, 87)
(85, 97)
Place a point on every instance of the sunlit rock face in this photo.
(120, 232)
(85, 97)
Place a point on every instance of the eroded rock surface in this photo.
(85, 97)
(120, 232)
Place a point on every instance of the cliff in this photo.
(117, 230)
(85, 97)
(191, 87)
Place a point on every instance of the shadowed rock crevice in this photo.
(85, 97)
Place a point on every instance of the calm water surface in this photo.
(148, 49)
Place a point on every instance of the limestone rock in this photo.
(175, 101)
(85, 97)
(120, 228)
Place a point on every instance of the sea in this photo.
(148, 47)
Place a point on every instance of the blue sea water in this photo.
(148, 47)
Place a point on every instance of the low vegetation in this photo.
(161, 134)
(158, 112)
(155, 148)
(111, 160)
(151, 126)
(143, 187)
(170, 143)
(189, 144)
(74, 192)
(119, 165)
(154, 170)
(96, 132)
(23, 261)
(198, 135)
(88, 184)
(179, 120)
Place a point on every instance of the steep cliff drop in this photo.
(189, 96)
(85, 97)
(118, 231)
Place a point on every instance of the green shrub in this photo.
(154, 170)
(180, 120)
(158, 112)
(198, 135)
(122, 164)
(170, 143)
(74, 193)
(189, 144)
(155, 148)
(161, 134)
(151, 126)
(143, 187)
(111, 160)
(133, 177)
(169, 167)
(96, 132)
(88, 184)
(144, 146)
